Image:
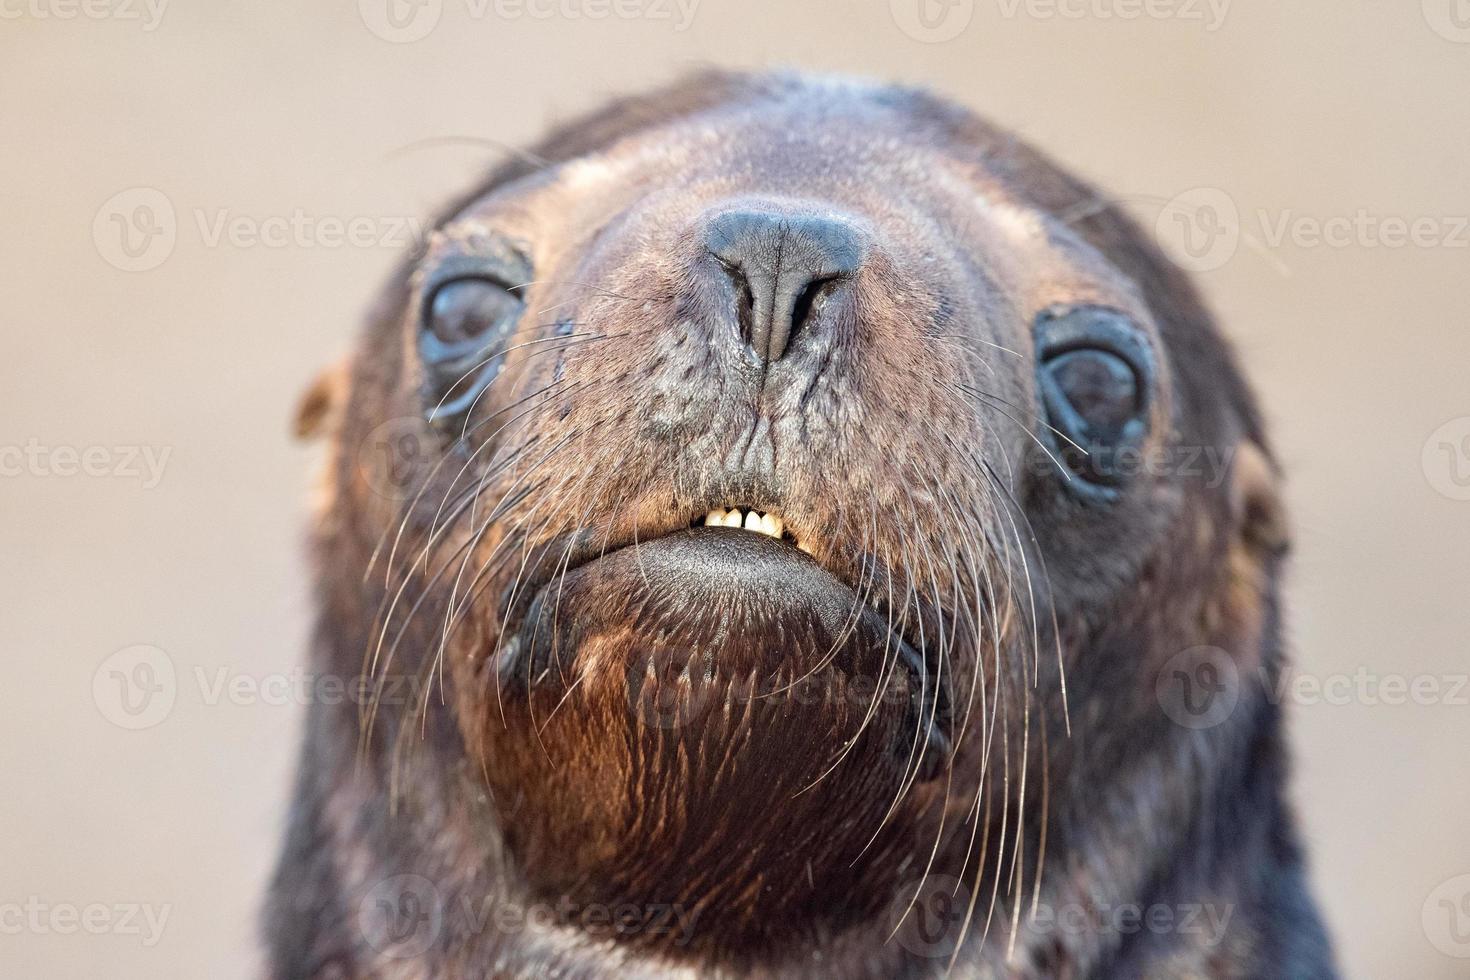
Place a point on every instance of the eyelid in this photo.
(1059, 330)
(506, 267)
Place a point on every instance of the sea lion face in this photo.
(773, 464)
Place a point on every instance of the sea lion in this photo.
(795, 560)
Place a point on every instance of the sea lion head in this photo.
(796, 494)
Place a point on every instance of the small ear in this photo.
(320, 407)
(1255, 499)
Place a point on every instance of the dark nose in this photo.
(784, 265)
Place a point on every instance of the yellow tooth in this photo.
(753, 521)
(801, 545)
(773, 525)
(732, 519)
(714, 518)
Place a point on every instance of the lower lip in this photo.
(747, 604)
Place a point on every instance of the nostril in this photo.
(744, 297)
(810, 298)
(784, 267)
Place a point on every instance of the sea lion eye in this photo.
(1096, 381)
(464, 311)
(466, 327)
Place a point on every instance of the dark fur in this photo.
(1126, 806)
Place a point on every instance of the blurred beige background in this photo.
(160, 310)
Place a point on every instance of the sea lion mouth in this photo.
(710, 690)
(738, 590)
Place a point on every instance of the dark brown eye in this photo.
(464, 311)
(1100, 392)
(467, 325)
(1096, 380)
